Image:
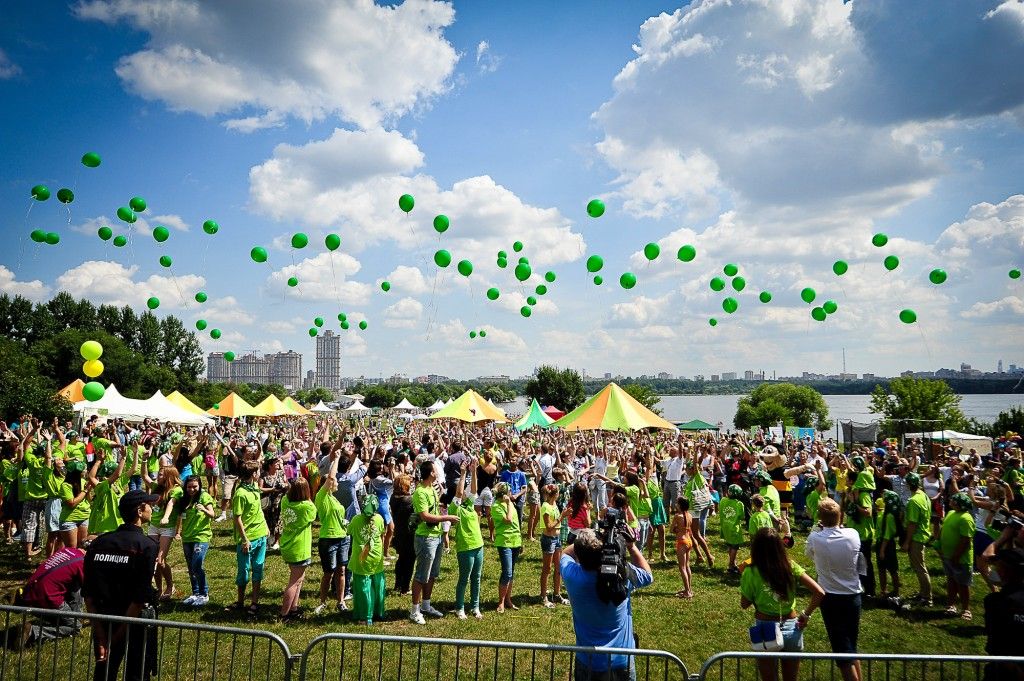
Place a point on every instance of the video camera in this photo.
(611, 575)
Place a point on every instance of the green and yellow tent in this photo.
(611, 409)
(534, 417)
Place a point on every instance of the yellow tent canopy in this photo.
(272, 406)
(185, 403)
(232, 407)
(471, 407)
(611, 409)
(296, 407)
(72, 392)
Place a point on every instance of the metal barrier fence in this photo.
(362, 657)
(740, 666)
(171, 650)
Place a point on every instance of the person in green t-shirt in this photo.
(74, 505)
(659, 514)
(732, 515)
(250, 530)
(469, 541)
(860, 516)
(426, 507)
(107, 477)
(759, 517)
(956, 544)
(551, 545)
(33, 493)
(333, 545)
(367, 563)
(887, 532)
(508, 539)
(297, 516)
(919, 511)
(163, 527)
(196, 511)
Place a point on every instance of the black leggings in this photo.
(405, 563)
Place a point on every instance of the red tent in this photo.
(553, 412)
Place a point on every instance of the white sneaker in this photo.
(461, 614)
(191, 600)
(477, 614)
(275, 547)
(201, 601)
(432, 611)
(221, 518)
(417, 618)
(319, 609)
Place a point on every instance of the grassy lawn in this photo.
(693, 630)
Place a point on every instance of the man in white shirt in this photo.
(673, 469)
(836, 554)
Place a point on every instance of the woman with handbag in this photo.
(699, 494)
(769, 584)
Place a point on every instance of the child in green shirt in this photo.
(760, 517)
(367, 563)
(297, 516)
(732, 516)
(550, 544)
(469, 542)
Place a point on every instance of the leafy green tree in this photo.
(497, 393)
(644, 395)
(563, 389)
(379, 396)
(793, 405)
(25, 390)
(313, 395)
(917, 404)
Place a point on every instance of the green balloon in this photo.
(201, 297)
(216, 405)
(830, 306)
(879, 240)
(765, 297)
(161, 233)
(406, 202)
(840, 267)
(808, 295)
(891, 262)
(549, 277)
(319, 321)
(105, 233)
(65, 195)
(165, 261)
(258, 254)
(472, 334)
(739, 283)
(627, 280)
(686, 253)
(598, 280)
(120, 240)
(483, 334)
(525, 311)
(229, 356)
(441, 223)
(342, 317)
(93, 391)
(502, 254)
(332, 241)
(299, 240)
(293, 281)
(908, 316)
(312, 333)
(345, 325)
(385, 286)
(531, 301)
(717, 284)
(652, 251)
(38, 235)
(211, 227)
(493, 294)
(362, 325)
(524, 259)
(595, 263)
(523, 271)
(40, 192)
(201, 324)
(126, 214)
(818, 314)
(731, 270)
(713, 322)
(541, 289)
(502, 263)
(137, 204)
(730, 305)
(465, 268)
(937, 276)
(91, 160)
(517, 246)
(1014, 274)
(595, 208)
(215, 334)
(442, 258)
(153, 303)
(52, 238)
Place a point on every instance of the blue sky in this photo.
(778, 136)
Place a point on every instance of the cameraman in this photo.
(599, 623)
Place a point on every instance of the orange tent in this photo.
(72, 392)
(232, 407)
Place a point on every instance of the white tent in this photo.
(406, 417)
(321, 407)
(114, 405)
(169, 412)
(420, 417)
(405, 405)
(356, 408)
(966, 440)
(436, 406)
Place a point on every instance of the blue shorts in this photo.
(792, 636)
(960, 574)
(549, 545)
(384, 510)
(334, 553)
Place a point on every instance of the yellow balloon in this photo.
(92, 368)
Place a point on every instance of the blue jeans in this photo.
(195, 554)
(508, 559)
(135, 483)
(471, 565)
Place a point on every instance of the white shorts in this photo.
(485, 499)
(156, 531)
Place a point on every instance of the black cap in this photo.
(132, 500)
(1012, 557)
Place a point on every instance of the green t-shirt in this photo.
(424, 500)
(864, 524)
(759, 519)
(104, 515)
(732, 514)
(367, 531)
(919, 511)
(73, 451)
(957, 525)
(633, 497)
(297, 530)
(812, 505)
(756, 590)
(885, 527)
(52, 483)
(506, 526)
(245, 504)
(33, 469)
(72, 514)
(331, 514)
(654, 489)
(549, 511)
(159, 507)
(772, 503)
(196, 526)
(467, 531)
(8, 473)
(153, 466)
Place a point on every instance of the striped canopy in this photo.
(611, 409)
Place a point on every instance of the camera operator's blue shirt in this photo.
(598, 623)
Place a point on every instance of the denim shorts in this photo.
(549, 545)
(70, 526)
(960, 574)
(157, 531)
(428, 558)
(53, 507)
(792, 636)
(334, 553)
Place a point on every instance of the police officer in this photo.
(1004, 616)
(119, 569)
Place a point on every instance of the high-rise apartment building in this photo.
(218, 369)
(250, 368)
(328, 360)
(286, 369)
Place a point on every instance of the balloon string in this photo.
(184, 303)
(334, 277)
(925, 341)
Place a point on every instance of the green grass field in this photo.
(693, 630)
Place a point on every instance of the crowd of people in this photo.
(380, 494)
